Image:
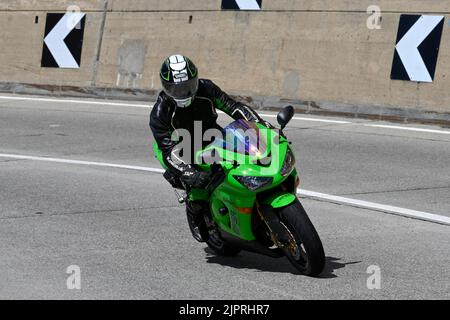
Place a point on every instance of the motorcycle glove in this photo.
(195, 179)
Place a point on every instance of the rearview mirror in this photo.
(285, 115)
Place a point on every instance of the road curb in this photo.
(373, 112)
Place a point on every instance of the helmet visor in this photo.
(182, 90)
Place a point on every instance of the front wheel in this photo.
(305, 250)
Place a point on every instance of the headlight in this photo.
(289, 163)
(253, 183)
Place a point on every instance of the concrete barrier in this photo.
(51, 5)
(21, 51)
(164, 5)
(315, 53)
(400, 6)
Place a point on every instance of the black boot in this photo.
(196, 220)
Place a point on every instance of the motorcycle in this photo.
(252, 198)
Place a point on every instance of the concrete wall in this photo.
(50, 5)
(319, 51)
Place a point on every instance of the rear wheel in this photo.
(305, 250)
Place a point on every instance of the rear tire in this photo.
(309, 258)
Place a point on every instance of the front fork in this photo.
(280, 236)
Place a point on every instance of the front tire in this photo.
(306, 251)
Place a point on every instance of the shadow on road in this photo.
(249, 260)
(331, 265)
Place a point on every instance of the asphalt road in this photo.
(128, 234)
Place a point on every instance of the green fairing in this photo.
(235, 197)
(280, 200)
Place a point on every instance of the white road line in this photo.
(305, 193)
(144, 106)
(149, 106)
(407, 128)
(77, 102)
(377, 207)
(264, 115)
(80, 162)
(308, 119)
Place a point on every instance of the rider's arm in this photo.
(225, 103)
(160, 124)
(162, 132)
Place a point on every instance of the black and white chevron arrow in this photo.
(241, 4)
(63, 40)
(417, 49)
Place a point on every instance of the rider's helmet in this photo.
(179, 78)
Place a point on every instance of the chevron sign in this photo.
(417, 48)
(63, 40)
(241, 4)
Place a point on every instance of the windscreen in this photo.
(243, 137)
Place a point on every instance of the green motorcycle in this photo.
(252, 197)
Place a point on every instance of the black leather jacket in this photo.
(166, 117)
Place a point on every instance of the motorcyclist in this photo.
(185, 99)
